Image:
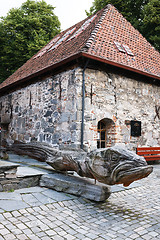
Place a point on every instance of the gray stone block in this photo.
(57, 196)
(75, 185)
(64, 117)
(43, 198)
(28, 182)
(48, 113)
(11, 205)
(28, 172)
(5, 166)
(49, 129)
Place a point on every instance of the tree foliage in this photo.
(144, 15)
(131, 10)
(23, 32)
(151, 23)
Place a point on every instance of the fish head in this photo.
(117, 165)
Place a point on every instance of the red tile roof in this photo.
(106, 36)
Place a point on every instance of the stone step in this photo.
(6, 166)
(75, 185)
(13, 176)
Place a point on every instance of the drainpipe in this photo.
(83, 98)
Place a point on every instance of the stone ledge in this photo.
(5, 166)
(75, 185)
(28, 172)
(13, 176)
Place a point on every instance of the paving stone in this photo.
(33, 237)
(69, 237)
(21, 226)
(43, 198)
(35, 229)
(10, 226)
(29, 190)
(16, 214)
(80, 236)
(54, 237)
(27, 231)
(22, 237)
(43, 227)
(10, 196)
(6, 165)
(10, 205)
(4, 231)
(40, 234)
(7, 215)
(10, 236)
(50, 232)
(57, 196)
(43, 207)
(146, 237)
(153, 234)
(16, 231)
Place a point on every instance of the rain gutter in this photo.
(83, 104)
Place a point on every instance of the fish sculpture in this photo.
(113, 165)
(116, 165)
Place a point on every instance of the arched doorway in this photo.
(106, 133)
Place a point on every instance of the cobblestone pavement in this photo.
(40, 213)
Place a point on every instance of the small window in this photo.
(119, 46)
(124, 48)
(135, 128)
(62, 39)
(82, 28)
(128, 50)
(44, 50)
(102, 135)
(106, 133)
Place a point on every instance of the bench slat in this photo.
(149, 153)
(148, 148)
(152, 158)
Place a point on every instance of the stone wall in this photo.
(121, 99)
(46, 111)
(51, 110)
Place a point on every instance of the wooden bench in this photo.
(149, 153)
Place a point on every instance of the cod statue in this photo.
(113, 165)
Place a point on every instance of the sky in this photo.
(69, 12)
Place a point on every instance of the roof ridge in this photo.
(95, 30)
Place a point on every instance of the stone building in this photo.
(93, 85)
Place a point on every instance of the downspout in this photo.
(83, 104)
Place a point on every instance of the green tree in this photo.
(132, 10)
(151, 22)
(23, 32)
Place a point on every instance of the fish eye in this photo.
(115, 157)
